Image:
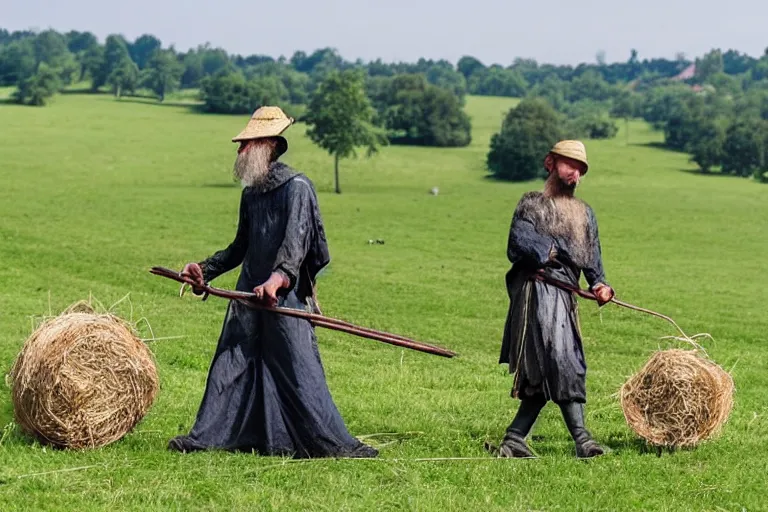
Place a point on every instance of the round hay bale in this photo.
(678, 399)
(82, 380)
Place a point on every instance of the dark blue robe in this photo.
(266, 389)
(542, 341)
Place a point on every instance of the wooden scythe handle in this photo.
(250, 300)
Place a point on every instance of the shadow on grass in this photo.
(718, 174)
(83, 90)
(221, 185)
(194, 108)
(6, 416)
(655, 145)
(535, 182)
(620, 445)
(625, 444)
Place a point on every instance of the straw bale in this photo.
(678, 399)
(82, 380)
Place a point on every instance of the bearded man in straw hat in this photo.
(552, 232)
(266, 389)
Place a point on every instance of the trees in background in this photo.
(694, 103)
(340, 118)
(744, 148)
(39, 87)
(415, 112)
(124, 78)
(625, 106)
(527, 133)
(162, 73)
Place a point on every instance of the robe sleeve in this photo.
(594, 273)
(299, 230)
(524, 242)
(225, 260)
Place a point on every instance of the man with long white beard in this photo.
(266, 389)
(555, 233)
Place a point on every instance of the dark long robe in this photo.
(266, 388)
(542, 341)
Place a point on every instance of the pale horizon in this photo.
(558, 32)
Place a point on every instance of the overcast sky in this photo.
(554, 31)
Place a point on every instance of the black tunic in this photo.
(266, 389)
(542, 341)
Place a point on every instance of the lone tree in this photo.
(124, 78)
(624, 108)
(706, 147)
(38, 88)
(527, 134)
(340, 118)
(744, 148)
(163, 73)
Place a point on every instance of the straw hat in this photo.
(572, 149)
(264, 123)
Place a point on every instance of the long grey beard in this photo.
(252, 167)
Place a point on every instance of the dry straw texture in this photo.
(265, 122)
(678, 399)
(82, 380)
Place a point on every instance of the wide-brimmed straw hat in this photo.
(266, 122)
(572, 149)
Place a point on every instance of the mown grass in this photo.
(96, 191)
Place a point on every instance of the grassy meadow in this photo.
(96, 191)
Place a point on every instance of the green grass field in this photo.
(96, 191)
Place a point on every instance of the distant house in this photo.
(686, 74)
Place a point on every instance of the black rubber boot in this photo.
(586, 447)
(184, 444)
(363, 451)
(513, 444)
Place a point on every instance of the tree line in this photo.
(716, 111)
(714, 107)
(119, 65)
(413, 107)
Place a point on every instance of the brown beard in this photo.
(555, 187)
(571, 213)
(252, 166)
